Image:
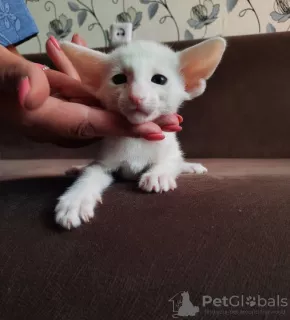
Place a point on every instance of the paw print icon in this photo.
(250, 301)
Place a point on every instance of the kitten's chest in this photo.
(136, 153)
(133, 150)
(135, 156)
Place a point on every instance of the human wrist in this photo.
(13, 50)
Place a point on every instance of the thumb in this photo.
(33, 87)
(23, 79)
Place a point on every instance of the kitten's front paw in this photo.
(157, 182)
(197, 168)
(73, 208)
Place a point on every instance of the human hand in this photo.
(54, 107)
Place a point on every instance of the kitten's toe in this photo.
(197, 168)
(166, 183)
(86, 209)
(68, 217)
(149, 183)
(73, 209)
(157, 182)
(172, 184)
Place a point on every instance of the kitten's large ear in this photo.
(91, 65)
(198, 63)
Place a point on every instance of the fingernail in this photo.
(74, 37)
(54, 42)
(154, 137)
(180, 119)
(23, 89)
(173, 128)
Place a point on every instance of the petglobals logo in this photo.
(236, 305)
(244, 301)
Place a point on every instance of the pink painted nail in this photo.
(23, 89)
(180, 119)
(154, 137)
(54, 42)
(172, 128)
(76, 35)
(75, 38)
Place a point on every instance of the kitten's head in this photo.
(143, 80)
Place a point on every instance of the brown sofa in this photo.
(223, 234)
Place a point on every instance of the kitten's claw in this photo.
(74, 208)
(69, 225)
(86, 217)
(197, 168)
(157, 182)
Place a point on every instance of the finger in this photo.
(74, 121)
(70, 88)
(77, 39)
(77, 121)
(170, 123)
(115, 125)
(180, 118)
(59, 58)
(26, 81)
(149, 131)
(107, 123)
(167, 120)
(12, 69)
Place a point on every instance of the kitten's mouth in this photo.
(137, 116)
(141, 111)
(138, 110)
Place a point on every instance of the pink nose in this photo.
(135, 100)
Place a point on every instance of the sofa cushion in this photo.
(221, 234)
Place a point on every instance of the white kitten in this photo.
(142, 81)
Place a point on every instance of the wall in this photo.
(162, 20)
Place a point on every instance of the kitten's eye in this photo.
(119, 78)
(159, 79)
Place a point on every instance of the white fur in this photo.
(156, 164)
(145, 59)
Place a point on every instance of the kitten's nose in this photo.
(135, 100)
